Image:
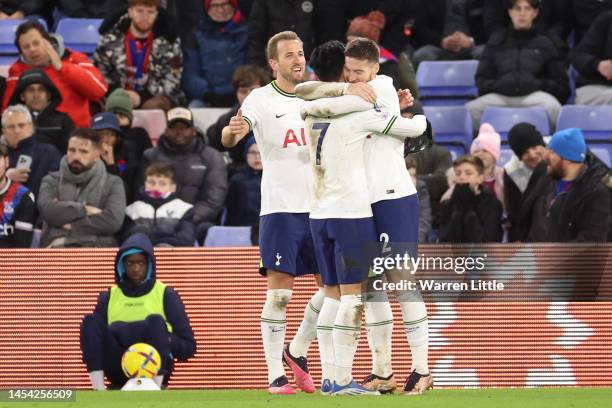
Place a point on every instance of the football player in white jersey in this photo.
(396, 215)
(341, 216)
(272, 112)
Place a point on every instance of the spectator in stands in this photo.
(117, 153)
(41, 96)
(521, 176)
(487, 147)
(582, 13)
(81, 204)
(87, 8)
(140, 52)
(119, 103)
(201, 172)
(521, 68)
(72, 73)
(432, 165)
(471, 214)
(463, 37)
(244, 195)
(269, 17)
(575, 205)
(424, 200)
(138, 308)
(370, 26)
(159, 213)
(592, 58)
(16, 225)
(245, 79)
(30, 160)
(428, 29)
(218, 47)
(19, 9)
(186, 14)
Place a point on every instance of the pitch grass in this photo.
(473, 398)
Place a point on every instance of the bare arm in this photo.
(237, 129)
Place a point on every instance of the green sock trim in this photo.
(325, 328)
(416, 321)
(273, 321)
(348, 328)
(379, 323)
(314, 309)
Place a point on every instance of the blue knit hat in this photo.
(250, 142)
(569, 144)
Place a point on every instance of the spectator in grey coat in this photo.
(81, 204)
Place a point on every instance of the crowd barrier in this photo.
(45, 294)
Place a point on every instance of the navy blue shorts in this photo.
(397, 222)
(342, 247)
(285, 244)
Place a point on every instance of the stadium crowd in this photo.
(95, 178)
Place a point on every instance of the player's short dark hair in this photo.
(27, 26)
(87, 134)
(470, 159)
(161, 170)
(533, 3)
(3, 150)
(147, 3)
(327, 60)
(249, 75)
(363, 49)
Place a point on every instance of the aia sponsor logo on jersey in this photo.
(294, 138)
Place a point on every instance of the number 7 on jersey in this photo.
(322, 126)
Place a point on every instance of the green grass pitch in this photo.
(473, 398)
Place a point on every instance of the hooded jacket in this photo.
(581, 214)
(183, 343)
(79, 83)
(165, 62)
(201, 174)
(52, 126)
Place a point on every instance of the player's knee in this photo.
(279, 298)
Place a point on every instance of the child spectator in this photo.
(471, 214)
(159, 213)
(487, 147)
(424, 204)
(244, 196)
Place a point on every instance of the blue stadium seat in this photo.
(503, 119)
(447, 82)
(595, 121)
(504, 157)
(7, 35)
(456, 149)
(228, 237)
(450, 124)
(80, 34)
(603, 151)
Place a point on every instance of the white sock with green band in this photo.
(347, 329)
(273, 328)
(379, 328)
(307, 331)
(417, 330)
(325, 327)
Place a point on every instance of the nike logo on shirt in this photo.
(280, 116)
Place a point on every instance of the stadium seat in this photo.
(447, 82)
(80, 34)
(450, 124)
(595, 121)
(228, 237)
(456, 149)
(7, 35)
(4, 69)
(504, 157)
(153, 120)
(603, 152)
(503, 119)
(204, 117)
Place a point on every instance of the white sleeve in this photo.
(249, 112)
(330, 107)
(393, 125)
(312, 90)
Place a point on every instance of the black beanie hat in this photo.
(522, 136)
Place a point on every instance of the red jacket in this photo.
(79, 82)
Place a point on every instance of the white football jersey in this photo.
(388, 177)
(274, 117)
(337, 154)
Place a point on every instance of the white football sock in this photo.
(347, 329)
(417, 331)
(158, 380)
(325, 327)
(97, 380)
(273, 327)
(307, 331)
(379, 328)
